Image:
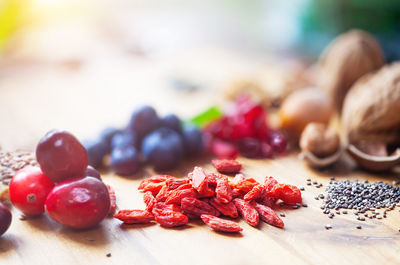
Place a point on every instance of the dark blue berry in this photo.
(107, 134)
(173, 122)
(143, 121)
(163, 148)
(125, 160)
(124, 139)
(192, 140)
(96, 150)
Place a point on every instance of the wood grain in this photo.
(94, 96)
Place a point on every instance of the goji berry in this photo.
(153, 179)
(255, 193)
(269, 184)
(223, 191)
(170, 218)
(184, 186)
(267, 201)
(226, 165)
(207, 193)
(113, 200)
(247, 211)
(219, 224)
(242, 183)
(287, 193)
(228, 209)
(237, 193)
(134, 216)
(268, 215)
(196, 207)
(175, 183)
(163, 194)
(199, 181)
(177, 195)
(149, 200)
(154, 187)
(212, 179)
(167, 207)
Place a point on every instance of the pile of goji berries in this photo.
(172, 202)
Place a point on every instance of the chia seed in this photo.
(11, 162)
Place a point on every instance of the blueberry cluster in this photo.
(162, 142)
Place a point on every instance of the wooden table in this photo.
(36, 98)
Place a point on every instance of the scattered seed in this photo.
(328, 226)
(301, 188)
(282, 214)
(358, 226)
(332, 178)
(108, 255)
(305, 205)
(22, 217)
(308, 179)
(295, 207)
(309, 183)
(344, 212)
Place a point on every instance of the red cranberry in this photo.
(29, 189)
(79, 203)
(266, 150)
(5, 218)
(278, 143)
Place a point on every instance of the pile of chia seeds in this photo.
(363, 199)
(12, 161)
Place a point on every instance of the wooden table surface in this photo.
(37, 98)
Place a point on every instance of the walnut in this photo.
(345, 60)
(371, 118)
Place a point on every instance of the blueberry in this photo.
(173, 122)
(96, 150)
(163, 148)
(192, 140)
(143, 121)
(107, 134)
(125, 160)
(124, 139)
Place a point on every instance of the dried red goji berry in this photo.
(237, 194)
(226, 165)
(287, 193)
(177, 195)
(113, 200)
(207, 193)
(219, 224)
(267, 201)
(184, 186)
(255, 193)
(269, 184)
(170, 218)
(199, 181)
(154, 187)
(167, 207)
(153, 179)
(212, 179)
(149, 200)
(134, 216)
(247, 211)
(175, 183)
(268, 215)
(196, 207)
(163, 194)
(228, 209)
(223, 191)
(242, 183)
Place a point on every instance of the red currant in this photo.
(28, 190)
(79, 203)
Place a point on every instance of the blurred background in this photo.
(80, 64)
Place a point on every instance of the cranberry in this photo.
(5, 218)
(91, 172)
(278, 143)
(61, 156)
(78, 203)
(249, 147)
(29, 189)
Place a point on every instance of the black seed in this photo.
(328, 226)
(308, 179)
(108, 255)
(305, 205)
(358, 226)
(309, 183)
(295, 207)
(301, 188)
(332, 178)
